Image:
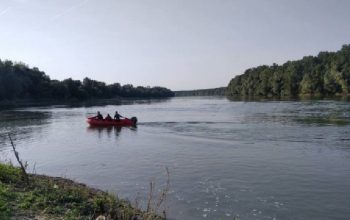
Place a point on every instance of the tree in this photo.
(326, 74)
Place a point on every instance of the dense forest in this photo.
(327, 74)
(18, 81)
(202, 92)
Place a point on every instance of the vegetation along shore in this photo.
(324, 75)
(44, 197)
(32, 196)
(20, 82)
(327, 74)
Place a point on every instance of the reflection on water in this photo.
(109, 130)
(293, 99)
(22, 124)
(321, 121)
(87, 103)
(249, 159)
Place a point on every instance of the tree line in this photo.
(18, 81)
(202, 92)
(327, 74)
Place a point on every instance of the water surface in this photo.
(252, 160)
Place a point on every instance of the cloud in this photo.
(68, 10)
(3, 12)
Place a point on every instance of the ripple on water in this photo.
(249, 160)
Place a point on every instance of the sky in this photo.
(178, 44)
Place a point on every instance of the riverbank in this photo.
(76, 103)
(44, 197)
(202, 92)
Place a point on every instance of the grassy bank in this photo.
(43, 197)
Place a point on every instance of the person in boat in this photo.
(117, 116)
(99, 116)
(108, 117)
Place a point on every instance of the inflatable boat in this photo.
(93, 121)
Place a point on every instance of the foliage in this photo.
(58, 198)
(18, 81)
(202, 92)
(9, 174)
(5, 197)
(327, 74)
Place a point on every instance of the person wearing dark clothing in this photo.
(108, 117)
(117, 116)
(99, 116)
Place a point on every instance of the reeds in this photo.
(23, 166)
(74, 200)
(156, 202)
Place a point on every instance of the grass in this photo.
(58, 198)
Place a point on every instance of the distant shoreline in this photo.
(221, 91)
(126, 101)
(5, 104)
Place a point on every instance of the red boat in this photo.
(93, 121)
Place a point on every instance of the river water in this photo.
(226, 159)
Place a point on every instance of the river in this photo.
(226, 159)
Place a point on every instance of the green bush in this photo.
(9, 174)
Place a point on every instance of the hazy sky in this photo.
(179, 44)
